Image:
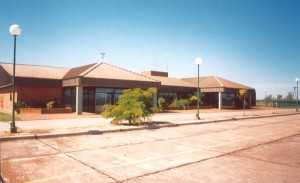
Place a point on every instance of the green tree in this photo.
(279, 97)
(289, 97)
(243, 94)
(269, 99)
(134, 106)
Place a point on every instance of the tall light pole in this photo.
(266, 97)
(15, 31)
(297, 81)
(294, 94)
(198, 61)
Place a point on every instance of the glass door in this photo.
(101, 100)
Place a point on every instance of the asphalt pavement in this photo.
(263, 149)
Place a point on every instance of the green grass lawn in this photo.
(6, 117)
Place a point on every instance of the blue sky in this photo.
(256, 43)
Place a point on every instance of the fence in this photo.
(285, 104)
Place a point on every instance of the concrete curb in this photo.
(98, 132)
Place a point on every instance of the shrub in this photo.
(161, 104)
(50, 104)
(193, 100)
(134, 106)
(180, 104)
(21, 104)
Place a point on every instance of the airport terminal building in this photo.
(88, 88)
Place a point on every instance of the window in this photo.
(70, 97)
(117, 97)
(119, 90)
(104, 90)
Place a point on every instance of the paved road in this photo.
(256, 150)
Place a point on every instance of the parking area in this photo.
(252, 150)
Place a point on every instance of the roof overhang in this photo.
(114, 83)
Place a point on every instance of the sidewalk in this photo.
(95, 124)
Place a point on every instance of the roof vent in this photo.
(155, 73)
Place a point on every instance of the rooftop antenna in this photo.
(102, 55)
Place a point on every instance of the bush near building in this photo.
(135, 106)
(193, 100)
(161, 104)
(180, 103)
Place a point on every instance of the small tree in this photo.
(268, 99)
(243, 94)
(289, 97)
(193, 100)
(134, 105)
(161, 104)
(279, 97)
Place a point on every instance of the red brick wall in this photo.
(5, 105)
(5, 77)
(38, 96)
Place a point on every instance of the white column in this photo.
(155, 99)
(220, 100)
(78, 100)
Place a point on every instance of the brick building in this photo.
(88, 88)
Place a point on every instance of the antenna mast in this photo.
(102, 55)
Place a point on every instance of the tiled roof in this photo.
(215, 82)
(103, 70)
(35, 71)
(167, 81)
(99, 70)
(77, 71)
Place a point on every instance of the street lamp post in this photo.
(198, 61)
(15, 31)
(294, 94)
(297, 81)
(266, 97)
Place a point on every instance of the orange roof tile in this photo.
(167, 81)
(215, 82)
(35, 71)
(77, 71)
(106, 71)
(103, 70)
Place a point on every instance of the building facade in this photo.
(88, 88)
